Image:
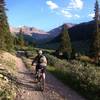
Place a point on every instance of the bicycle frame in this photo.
(41, 79)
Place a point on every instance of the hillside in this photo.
(79, 32)
(7, 75)
(31, 34)
(82, 31)
(80, 35)
(56, 31)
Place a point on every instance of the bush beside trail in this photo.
(85, 78)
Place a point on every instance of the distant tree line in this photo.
(23, 40)
(20, 39)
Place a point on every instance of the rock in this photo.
(1, 76)
(6, 79)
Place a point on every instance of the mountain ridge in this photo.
(77, 32)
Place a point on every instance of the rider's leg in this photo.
(36, 77)
(43, 71)
(37, 67)
(43, 75)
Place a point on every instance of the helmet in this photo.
(40, 52)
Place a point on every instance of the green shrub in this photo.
(85, 78)
(54, 61)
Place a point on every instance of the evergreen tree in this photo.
(21, 38)
(95, 47)
(6, 40)
(65, 43)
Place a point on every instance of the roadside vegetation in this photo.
(82, 76)
(7, 76)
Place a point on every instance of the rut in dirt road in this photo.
(54, 90)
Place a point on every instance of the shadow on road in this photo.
(28, 84)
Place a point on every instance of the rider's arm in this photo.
(34, 60)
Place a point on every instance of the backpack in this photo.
(43, 60)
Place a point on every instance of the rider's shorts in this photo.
(43, 68)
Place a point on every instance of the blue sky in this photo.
(48, 14)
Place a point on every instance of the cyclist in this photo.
(41, 62)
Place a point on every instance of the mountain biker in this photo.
(41, 62)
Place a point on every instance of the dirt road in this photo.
(29, 90)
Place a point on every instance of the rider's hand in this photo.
(34, 64)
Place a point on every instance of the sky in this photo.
(48, 14)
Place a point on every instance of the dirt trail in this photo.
(29, 90)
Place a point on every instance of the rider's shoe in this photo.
(36, 80)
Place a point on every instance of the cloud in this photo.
(66, 13)
(91, 15)
(75, 4)
(52, 5)
(77, 16)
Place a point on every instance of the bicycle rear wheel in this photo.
(42, 84)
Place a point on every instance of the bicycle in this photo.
(41, 79)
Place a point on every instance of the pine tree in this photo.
(95, 47)
(65, 43)
(6, 40)
(21, 38)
